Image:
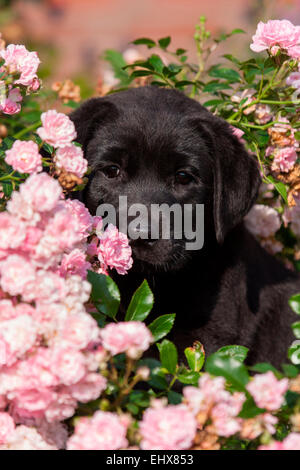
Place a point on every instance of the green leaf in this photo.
(189, 378)
(164, 42)
(294, 352)
(145, 41)
(161, 326)
(117, 62)
(195, 356)
(212, 87)
(212, 103)
(250, 410)
(140, 73)
(280, 187)
(141, 303)
(232, 59)
(225, 73)
(290, 371)
(236, 351)
(294, 303)
(237, 31)
(296, 329)
(156, 63)
(174, 398)
(183, 83)
(168, 355)
(234, 371)
(263, 367)
(158, 379)
(180, 51)
(105, 293)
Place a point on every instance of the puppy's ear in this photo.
(236, 176)
(90, 115)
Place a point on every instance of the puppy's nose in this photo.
(141, 236)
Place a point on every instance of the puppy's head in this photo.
(156, 146)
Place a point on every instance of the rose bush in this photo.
(70, 362)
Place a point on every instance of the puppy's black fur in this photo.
(231, 291)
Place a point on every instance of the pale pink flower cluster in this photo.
(262, 112)
(284, 149)
(114, 250)
(277, 35)
(267, 391)
(21, 65)
(24, 157)
(59, 131)
(167, 428)
(50, 347)
(221, 407)
(103, 431)
(132, 337)
(262, 221)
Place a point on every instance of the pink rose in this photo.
(70, 158)
(89, 388)
(262, 221)
(41, 192)
(68, 364)
(75, 263)
(79, 330)
(16, 274)
(11, 104)
(284, 158)
(132, 337)
(114, 250)
(11, 231)
(280, 33)
(104, 431)
(58, 130)
(7, 427)
(24, 157)
(267, 391)
(84, 220)
(170, 428)
(19, 60)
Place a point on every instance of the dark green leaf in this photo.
(105, 293)
(294, 352)
(174, 397)
(280, 187)
(263, 367)
(164, 42)
(117, 62)
(237, 352)
(225, 73)
(156, 63)
(290, 371)
(168, 355)
(161, 326)
(294, 303)
(234, 371)
(141, 303)
(195, 356)
(215, 86)
(296, 329)
(189, 378)
(250, 410)
(145, 41)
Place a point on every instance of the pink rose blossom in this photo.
(89, 388)
(11, 231)
(19, 60)
(58, 130)
(7, 427)
(75, 263)
(41, 191)
(11, 104)
(24, 157)
(294, 80)
(104, 431)
(79, 330)
(267, 391)
(132, 337)
(262, 221)
(284, 158)
(68, 364)
(71, 159)
(224, 414)
(238, 133)
(84, 220)
(16, 274)
(27, 438)
(169, 428)
(114, 250)
(263, 114)
(281, 33)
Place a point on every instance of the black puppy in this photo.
(158, 146)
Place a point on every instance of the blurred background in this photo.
(71, 36)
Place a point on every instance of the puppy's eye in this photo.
(111, 171)
(182, 177)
